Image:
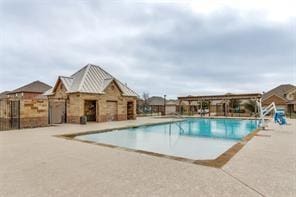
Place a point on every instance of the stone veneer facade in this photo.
(4, 114)
(32, 113)
(75, 103)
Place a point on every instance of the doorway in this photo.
(130, 110)
(57, 112)
(15, 114)
(90, 110)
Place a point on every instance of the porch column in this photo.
(209, 104)
(256, 110)
(200, 108)
(232, 107)
(179, 107)
(225, 111)
(190, 111)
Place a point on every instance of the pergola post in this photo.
(200, 108)
(179, 106)
(190, 113)
(239, 114)
(256, 109)
(225, 110)
(216, 106)
(209, 104)
(232, 107)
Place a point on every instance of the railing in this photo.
(265, 111)
(180, 127)
(269, 108)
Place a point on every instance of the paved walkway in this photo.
(34, 163)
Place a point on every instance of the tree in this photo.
(234, 104)
(145, 101)
(250, 106)
(145, 97)
(205, 105)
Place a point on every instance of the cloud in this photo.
(158, 48)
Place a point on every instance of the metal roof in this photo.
(92, 79)
(67, 81)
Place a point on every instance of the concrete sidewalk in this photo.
(35, 163)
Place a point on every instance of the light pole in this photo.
(164, 103)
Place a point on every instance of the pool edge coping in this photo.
(219, 162)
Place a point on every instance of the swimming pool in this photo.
(193, 138)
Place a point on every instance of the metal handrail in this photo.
(265, 111)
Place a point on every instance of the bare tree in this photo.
(145, 99)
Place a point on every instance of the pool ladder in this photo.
(179, 125)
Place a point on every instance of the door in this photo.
(130, 110)
(15, 114)
(90, 110)
(111, 110)
(57, 112)
(170, 109)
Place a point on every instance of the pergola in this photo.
(225, 99)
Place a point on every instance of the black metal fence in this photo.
(9, 114)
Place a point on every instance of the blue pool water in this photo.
(194, 138)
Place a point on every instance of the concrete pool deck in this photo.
(35, 163)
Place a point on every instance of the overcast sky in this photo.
(161, 47)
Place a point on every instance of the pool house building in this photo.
(93, 93)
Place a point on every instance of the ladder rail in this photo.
(265, 111)
(269, 108)
(180, 126)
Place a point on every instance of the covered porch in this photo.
(232, 105)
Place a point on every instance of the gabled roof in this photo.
(156, 100)
(279, 91)
(172, 102)
(92, 79)
(67, 81)
(34, 87)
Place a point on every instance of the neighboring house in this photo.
(91, 92)
(284, 97)
(24, 107)
(156, 104)
(3, 95)
(171, 107)
(141, 106)
(29, 91)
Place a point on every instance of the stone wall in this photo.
(75, 107)
(112, 93)
(4, 114)
(33, 113)
(75, 103)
